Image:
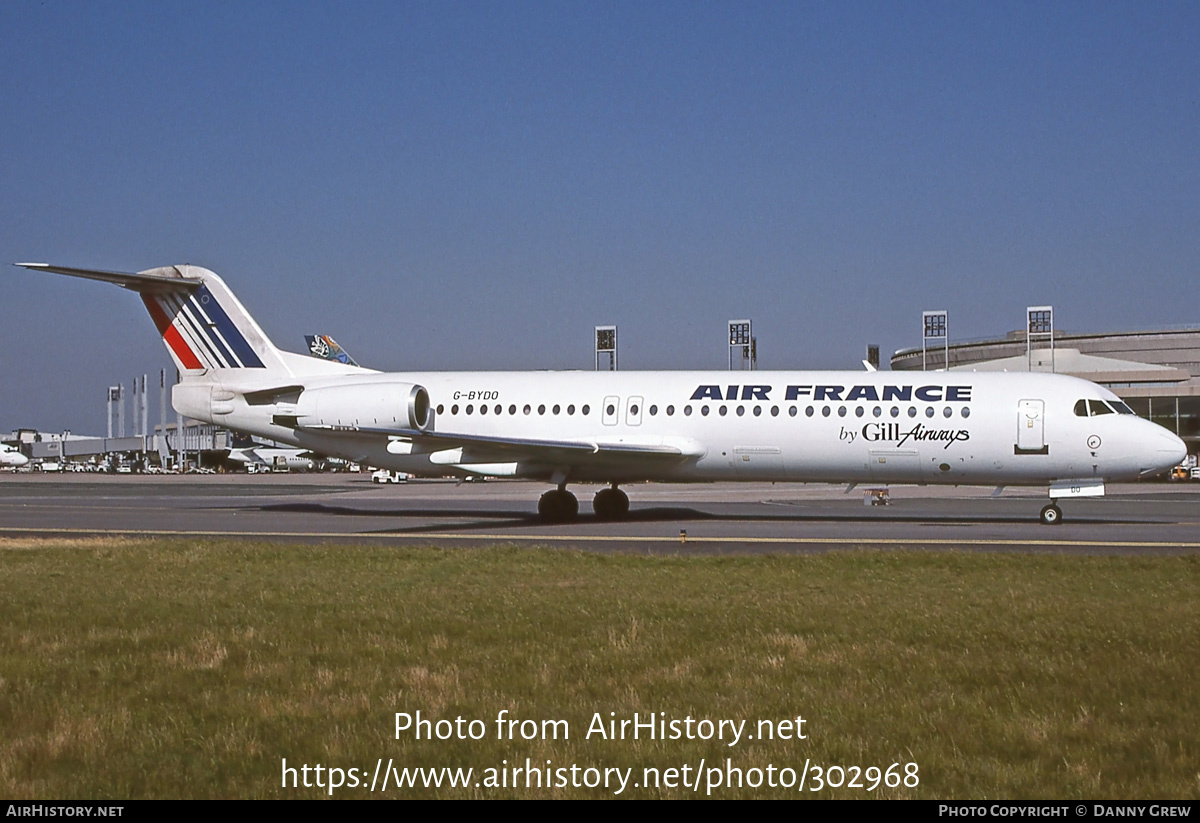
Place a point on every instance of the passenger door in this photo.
(1031, 435)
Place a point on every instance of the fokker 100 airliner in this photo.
(613, 428)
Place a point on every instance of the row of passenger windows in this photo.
(740, 411)
(499, 409)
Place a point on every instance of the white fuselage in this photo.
(885, 427)
(11, 457)
(265, 456)
(620, 427)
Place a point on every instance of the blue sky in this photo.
(475, 186)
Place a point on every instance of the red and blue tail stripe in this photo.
(199, 332)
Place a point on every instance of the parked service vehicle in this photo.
(387, 476)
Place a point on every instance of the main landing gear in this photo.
(1051, 515)
(610, 504)
(560, 506)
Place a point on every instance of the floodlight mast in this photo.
(606, 347)
(873, 355)
(741, 338)
(116, 404)
(1039, 323)
(162, 417)
(936, 327)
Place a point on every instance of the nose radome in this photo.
(1158, 448)
(1173, 446)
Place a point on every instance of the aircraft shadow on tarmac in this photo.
(473, 518)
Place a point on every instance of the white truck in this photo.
(388, 476)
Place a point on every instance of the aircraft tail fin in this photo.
(326, 348)
(203, 325)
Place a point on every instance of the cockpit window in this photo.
(1092, 408)
(1121, 407)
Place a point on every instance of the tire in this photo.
(557, 506)
(610, 504)
(570, 506)
(1051, 515)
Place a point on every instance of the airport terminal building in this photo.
(1156, 372)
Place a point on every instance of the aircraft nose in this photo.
(1177, 448)
(1167, 450)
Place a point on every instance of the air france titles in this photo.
(841, 394)
(878, 432)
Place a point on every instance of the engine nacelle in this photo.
(366, 405)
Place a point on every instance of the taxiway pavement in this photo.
(720, 518)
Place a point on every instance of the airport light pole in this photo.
(873, 355)
(114, 399)
(606, 347)
(1039, 323)
(937, 328)
(178, 434)
(741, 338)
(162, 417)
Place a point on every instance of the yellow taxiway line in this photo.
(596, 538)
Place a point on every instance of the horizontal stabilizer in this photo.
(204, 327)
(145, 283)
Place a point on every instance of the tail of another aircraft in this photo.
(203, 325)
(325, 347)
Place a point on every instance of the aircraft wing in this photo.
(457, 448)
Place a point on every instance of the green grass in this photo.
(191, 669)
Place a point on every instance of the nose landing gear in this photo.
(1051, 515)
